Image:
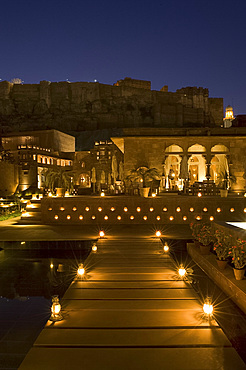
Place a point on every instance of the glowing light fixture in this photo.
(151, 209)
(158, 218)
(166, 247)
(23, 243)
(101, 234)
(158, 233)
(56, 217)
(218, 210)
(208, 307)
(102, 194)
(211, 218)
(244, 210)
(74, 209)
(81, 270)
(171, 218)
(138, 209)
(191, 209)
(205, 209)
(184, 218)
(62, 209)
(112, 209)
(164, 209)
(232, 210)
(145, 218)
(199, 194)
(87, 209)
(99, 209)
(50, 194)
(50, 209)
(178, 209)
(153, 195)
(93, 217)
(55, 309)
(182, 271)
(105, 217)
(80, 217)
(131, 217)
(119, 218)
(125, 209)
(94, 248)
(198, 218)
(51, 265)
(68, 217)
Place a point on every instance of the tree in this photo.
(58, 177)
(144, 175)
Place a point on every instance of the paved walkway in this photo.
(131, 313)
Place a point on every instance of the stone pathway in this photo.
(131, 313)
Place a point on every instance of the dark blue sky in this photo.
(173, 42)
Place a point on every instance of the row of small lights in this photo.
(151, 209)
(56, 314)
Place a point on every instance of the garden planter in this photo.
(223, 193)
(144, 192)
(60, 192)
(221, 264)
(239, 273)
(204, 249)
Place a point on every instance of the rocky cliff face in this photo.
(83, 106)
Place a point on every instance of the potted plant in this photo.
(60, 179)
(205, 238)
(195, 228)
(144, 176)
(225, 182)
(238, 258)
(222, 246)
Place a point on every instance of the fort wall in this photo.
(80, 106)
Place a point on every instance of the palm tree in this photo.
(144, 175)
(58, 177)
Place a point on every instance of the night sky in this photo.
(174, 43)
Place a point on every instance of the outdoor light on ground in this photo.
(199, 194)
(55, 309)
(102, 194)
(51, 265)
(182, 271)
(81, 270)
(153, 195)
(101, 234)
(94, 248)
(158, 233)
(208, 307)
(166, 248)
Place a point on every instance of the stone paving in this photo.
(131, 312)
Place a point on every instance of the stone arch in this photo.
(174, 148)
(196, 148)
(219, 148)
(219, 165)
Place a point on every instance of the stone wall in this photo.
(83, 106)
(162, 210)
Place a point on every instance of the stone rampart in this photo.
(80, 106)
